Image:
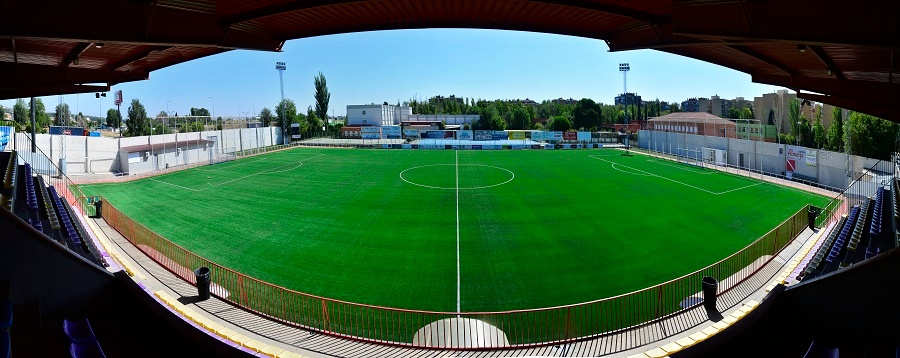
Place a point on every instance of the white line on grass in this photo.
(458, 310)
(175, 185)
(679, 166)
(673, 180)
(268, 171)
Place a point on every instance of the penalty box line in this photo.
(267, 171)
(675, 181)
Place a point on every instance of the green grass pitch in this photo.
(485, 230)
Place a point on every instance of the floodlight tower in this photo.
(624, 68)
(281, 67)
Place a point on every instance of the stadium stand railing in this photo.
(42, 195)
(507, 329)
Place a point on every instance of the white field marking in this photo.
(269, 171)
(458, 282)
(264, 171)
(512, 176)
(627, 172)
(287, 170)
(675, 181)
(658, 161)
(175, 185)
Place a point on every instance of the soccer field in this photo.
(458, 230)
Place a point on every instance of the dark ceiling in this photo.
(845, 52)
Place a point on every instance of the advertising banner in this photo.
(370, 129)
(535, 146)
(391, 132)
(406, 146)
(434, 134)
(465, 135)
(499, 135)
(557, 136)
(584, 136)
(476, 147)
(570, 135)
(370, 135)
(385, 146)
(516, 135)
(6, 134)
(537, 136)
(411, 133)
(549, 146)
(794, 154)
(811, 159)
(483, 135)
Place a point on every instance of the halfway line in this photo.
(458, 310)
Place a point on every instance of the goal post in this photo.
(228, 154)
(714, 156)
(688, 156)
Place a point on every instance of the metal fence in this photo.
(467, 330)
(42, 165)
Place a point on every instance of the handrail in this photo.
(406, 327)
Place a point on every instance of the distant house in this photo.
(700, 123)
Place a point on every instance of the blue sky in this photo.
(398, 65)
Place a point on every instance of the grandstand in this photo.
(82, 278)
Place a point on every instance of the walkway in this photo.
(650, 339)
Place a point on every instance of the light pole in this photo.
(281, 67)
(624, 68)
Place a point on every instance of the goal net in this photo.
(227, 155)
(689, 156)
(714, 156)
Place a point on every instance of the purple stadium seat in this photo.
(5, 345)
(86, 350)
(6, 315)
(79, 331)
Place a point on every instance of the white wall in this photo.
(370, 115)
(831, 168)
(101, 154)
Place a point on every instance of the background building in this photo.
(376, 115)
(772, 108)
(628, 98)
(694, 123)
(751, 130)
(695, 105)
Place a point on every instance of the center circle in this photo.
(457, 176)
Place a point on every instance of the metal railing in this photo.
(466, 330)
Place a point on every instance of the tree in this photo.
(200, 112)
(559, 123)
(20, 113)
(322, 97)
(794, 117)
(42, 118)
(285, 114)
(586, 114)
(63, 114)
(836, 130)
(313, 124)
(266, 117)
(870, 136)
(113, 118)
(137, 122)
(818, 133)
(81, 121)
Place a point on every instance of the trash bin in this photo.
(710, 286)
(98, 208)
(813, 212)
(203, 280)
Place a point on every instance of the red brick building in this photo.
(700, 123)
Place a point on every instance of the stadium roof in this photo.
(847, 52)
(692, 117)
(166, 145)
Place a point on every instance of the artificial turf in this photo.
(533, 228)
